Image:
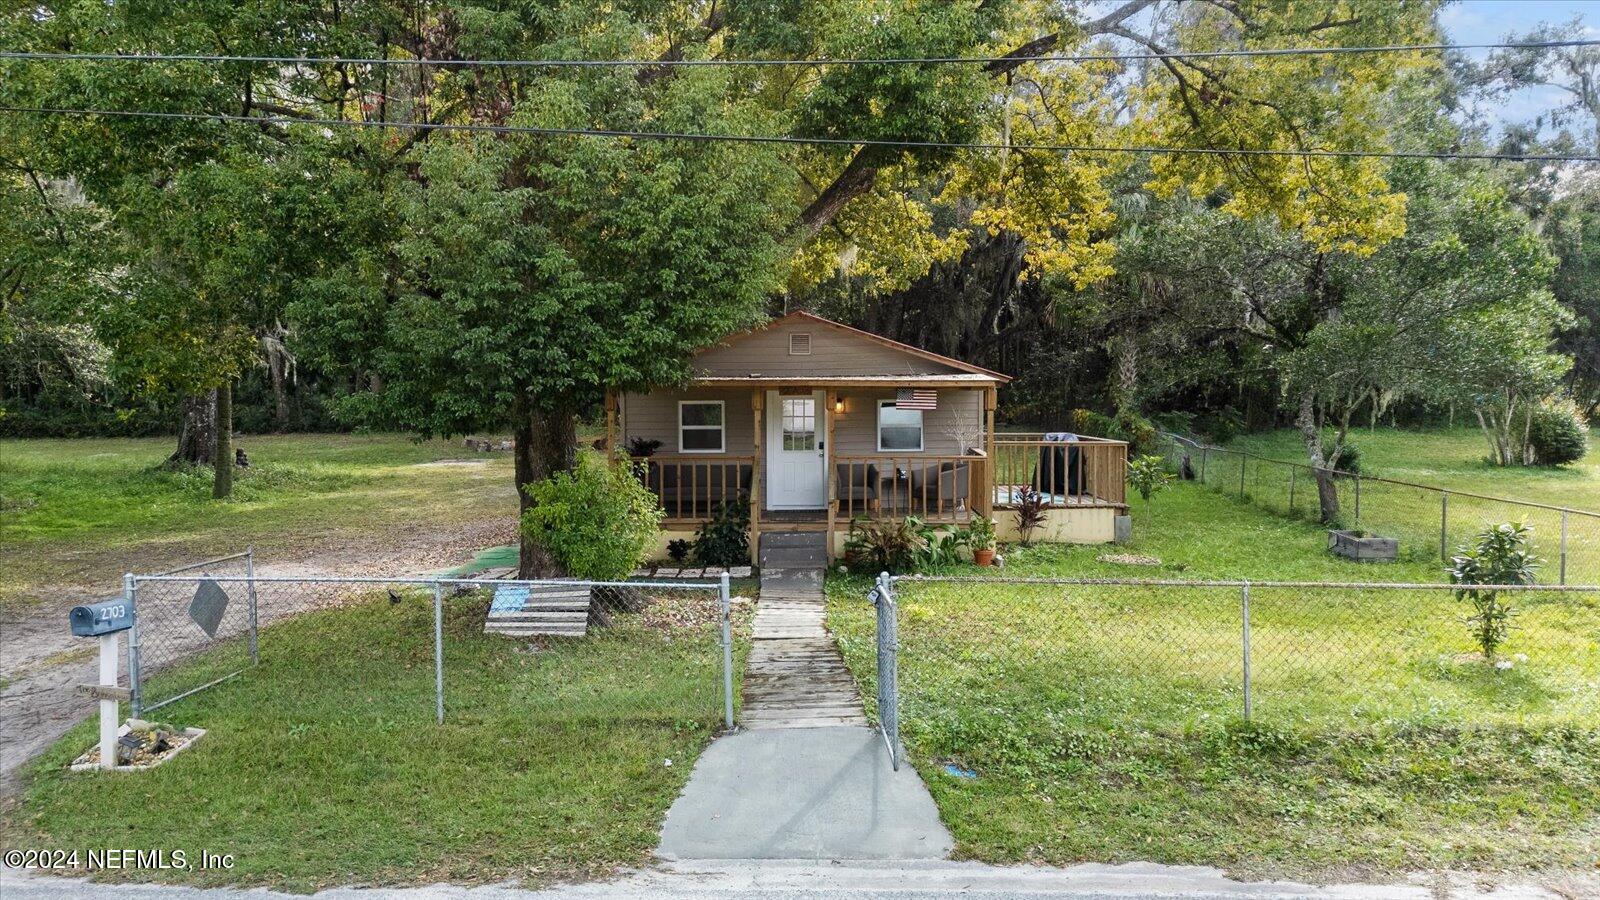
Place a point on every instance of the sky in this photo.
(1488, 21)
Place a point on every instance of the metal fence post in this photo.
(1292, 472)
(1563, 546)
(725, 601)
(888, 668)
(250, 596)
(130, 592)
(1444, 527)
(1244, 610)
(1205, 454)
(1242, 460)
(1358, 501)
(438, 651)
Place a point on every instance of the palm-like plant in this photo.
(1499, 555)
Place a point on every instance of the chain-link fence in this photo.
(426, 644)
(1022, 666)
(1429, 523)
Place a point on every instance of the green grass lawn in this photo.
(325, 766)
(87, 510)
(1453, 459)
(1104, 722)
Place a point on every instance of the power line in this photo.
(690, 63)
(788, 139)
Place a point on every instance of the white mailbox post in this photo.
(106, 621)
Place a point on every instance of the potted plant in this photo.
(982, 538)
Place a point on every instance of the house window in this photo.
(799, 423)
(898, 429)
(700, 426)
(800, 344)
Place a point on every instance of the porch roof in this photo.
(955, 380)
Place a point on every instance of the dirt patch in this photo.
(1128, 559)
(41, 663)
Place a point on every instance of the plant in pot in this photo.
(981, 535)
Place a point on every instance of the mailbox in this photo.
(95, 619)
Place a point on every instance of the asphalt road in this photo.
(814, 880)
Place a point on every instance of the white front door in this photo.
(796, 458)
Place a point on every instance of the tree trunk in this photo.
(280, 395)
(222, 481)
(1125, 384)
(546, 443)
(197, 433)
(1311, 433)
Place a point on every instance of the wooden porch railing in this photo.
(1089, 471)
(691, 487)
(933, 488)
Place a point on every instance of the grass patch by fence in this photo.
(324, 765)
(1104, 723)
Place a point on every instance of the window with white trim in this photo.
(899, 430)
(700, 426)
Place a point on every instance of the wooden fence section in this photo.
(692, 487)
(1085, 472)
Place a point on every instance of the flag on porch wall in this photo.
(916, 398)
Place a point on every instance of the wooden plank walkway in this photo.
(795, 677)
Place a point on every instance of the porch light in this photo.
(838, 406)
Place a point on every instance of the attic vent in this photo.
(800, 344)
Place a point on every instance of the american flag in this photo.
(916, 398)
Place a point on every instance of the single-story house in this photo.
(815, 423)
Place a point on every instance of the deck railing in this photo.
(930, 487)
(1089, 471)
(692, 487)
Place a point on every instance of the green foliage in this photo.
(882, 544)
(724, 539)
(937, 546)
(678, 550)
(1499, 555)
(1348, 459)
(1558, 435)
(1149, 476)
(598, 520)
(981, 533)
(1030, 512)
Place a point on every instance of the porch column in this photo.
(758, 400)
(831, 472)
(986, 500)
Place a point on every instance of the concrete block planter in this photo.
(1362, 547)
(90, 760)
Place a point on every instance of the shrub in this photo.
(1140, 434)
(981, 534)
(678, 550)
(598, 521)
(1348, 459)
(1558, 435)
(1498, 555)
(724, 539)
(1030, 513)
(1148, 475)
(937, 546)
(883, 544)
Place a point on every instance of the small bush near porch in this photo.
(324, 765)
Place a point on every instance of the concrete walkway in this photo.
(803, 793)
(795, 677)
(808, 779)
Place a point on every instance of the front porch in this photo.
(806, 458)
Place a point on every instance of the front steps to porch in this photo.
(795, 677)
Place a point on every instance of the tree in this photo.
(538, 273)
